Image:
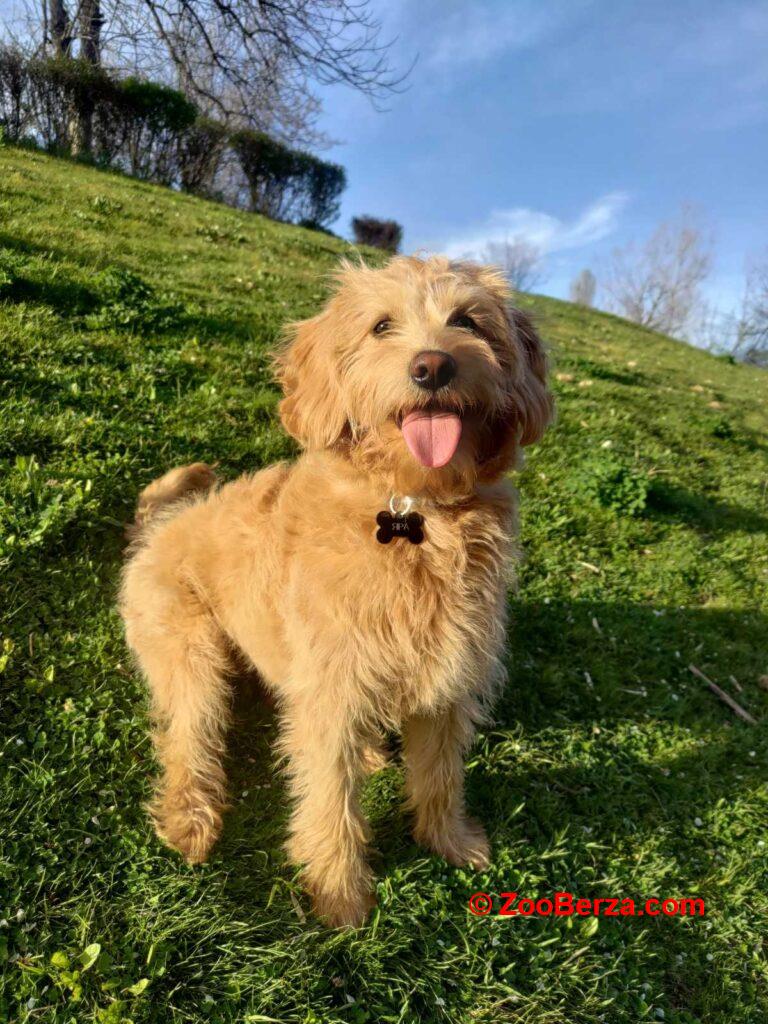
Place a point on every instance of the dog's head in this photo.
(421, 370)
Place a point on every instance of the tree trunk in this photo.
(60, 28)
(90, 52)
(90, 31)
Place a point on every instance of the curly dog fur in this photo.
(352, 637)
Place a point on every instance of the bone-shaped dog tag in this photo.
(390, 526)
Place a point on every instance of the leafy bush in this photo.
(288, 184)
(320, 185)
(76, 108)
(201, 149)
(381, 234)
(73, 107)
(612, 482)
(156, 117)
(15, 98)
(153, 132)
(267, 166)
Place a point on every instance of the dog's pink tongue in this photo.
(432, 438)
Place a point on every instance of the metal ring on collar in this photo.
(400, 506)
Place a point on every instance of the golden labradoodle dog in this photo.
(366, 582)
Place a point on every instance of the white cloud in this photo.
(480, 31)
(464, 40)
(548, 233)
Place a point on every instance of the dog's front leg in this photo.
(328, 833)
(434, 747)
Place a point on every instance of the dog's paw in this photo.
(463, 845)
(338, 910)
(190, 831)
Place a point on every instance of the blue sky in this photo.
(577, 124)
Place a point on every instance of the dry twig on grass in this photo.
(724, 697)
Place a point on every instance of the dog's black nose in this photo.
(432, 369)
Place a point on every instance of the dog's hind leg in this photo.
(185, 660)
(433, 748)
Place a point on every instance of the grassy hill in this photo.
(135, 327)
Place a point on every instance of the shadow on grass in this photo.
(668, 501)
(64, 295)
(626, 378)
(43, 284)
(541, 773)
(627, 672)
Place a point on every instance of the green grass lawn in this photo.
(135, 331)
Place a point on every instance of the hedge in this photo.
(288, 184)
(382, 234)
(153, 132)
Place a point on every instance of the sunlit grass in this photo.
(611, 771)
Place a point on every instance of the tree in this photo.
(583, 288)
(249, 63)
(57, 28)
(90, 24)
(658, 284)
(381, 234)
(519, 260)
(750, 344)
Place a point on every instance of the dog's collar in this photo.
(400, 521)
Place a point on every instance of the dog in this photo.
(366, 582)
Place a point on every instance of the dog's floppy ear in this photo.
(312, 410)
(531, 396)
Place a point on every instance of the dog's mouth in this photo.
(432, 435)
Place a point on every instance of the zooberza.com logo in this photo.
(565, 904)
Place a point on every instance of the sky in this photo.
(576, 124)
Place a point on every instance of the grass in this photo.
(135, 327)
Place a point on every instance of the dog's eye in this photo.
(382, 326)
(466, 323)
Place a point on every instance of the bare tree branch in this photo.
(658, 284)
(751, 341)
(250, 63)
(519, 260)
(583, 288)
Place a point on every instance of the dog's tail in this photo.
(176, 484)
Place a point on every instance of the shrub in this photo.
(613, 483)
(72, 101)
(52, 106)
(320, 185)
(288, 184)
(381, 234)
(15, 98)
(155, 117)
(153, 132)
(201, 149)
(267, 166)
(74, 107)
